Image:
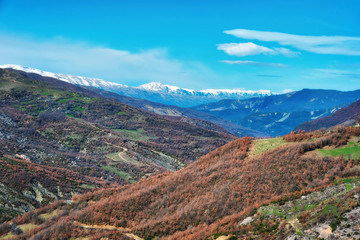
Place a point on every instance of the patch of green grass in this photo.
(87, 186)
(27, 227)
(135, 135)
(78, 99)
(8, 236)
(263, 145)
(89, 100)
(266, 212)
(276, 212)
(271, 210)
(351, 150)
(349, 186)
(75, 136)
(22, 108)
(46, 216)
(64, 100)
(310, 206)
(331, 209)
(51, 92)
(351, 180)
(121, 174)
(81, 109)
(122, 113)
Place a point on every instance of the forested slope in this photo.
(212, 196)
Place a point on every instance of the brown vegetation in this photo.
(220, 187)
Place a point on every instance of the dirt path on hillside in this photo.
(224, 237)
(121, 154)
(126, 231)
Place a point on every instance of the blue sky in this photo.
(274, 45)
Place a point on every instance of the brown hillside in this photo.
(213, 194)
(56, 124)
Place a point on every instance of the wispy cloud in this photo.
(249, 48)
(340, 45)
(63, 56)
(286, 52)
(253, 63)
(337, 73)
(268, 75)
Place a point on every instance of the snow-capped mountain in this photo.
(154, 91)
(83, 81)
(159, 87)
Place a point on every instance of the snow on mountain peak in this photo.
(163, 93)
(159, 87)
(83, 81)
(162, 88)
(153, 86)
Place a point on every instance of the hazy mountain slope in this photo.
(171, 110)
(56, 124)
(347, 115)
(156, 92)
(212, 196)
(280, 114)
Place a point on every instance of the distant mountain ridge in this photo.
(159, 87)
(100, 86)
(153, 91)
(345, 116)
(280, 114)
(175, 111)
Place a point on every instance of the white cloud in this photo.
(248, 49)
(133, 68)
(286, 52)
(253, 63)
(340, 45)
(244, 49)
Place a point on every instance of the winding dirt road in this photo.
(126, 231)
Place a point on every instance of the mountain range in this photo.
(280, 114)
(346, 116)
(154, 91)
(175, 111)
(267, 114)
